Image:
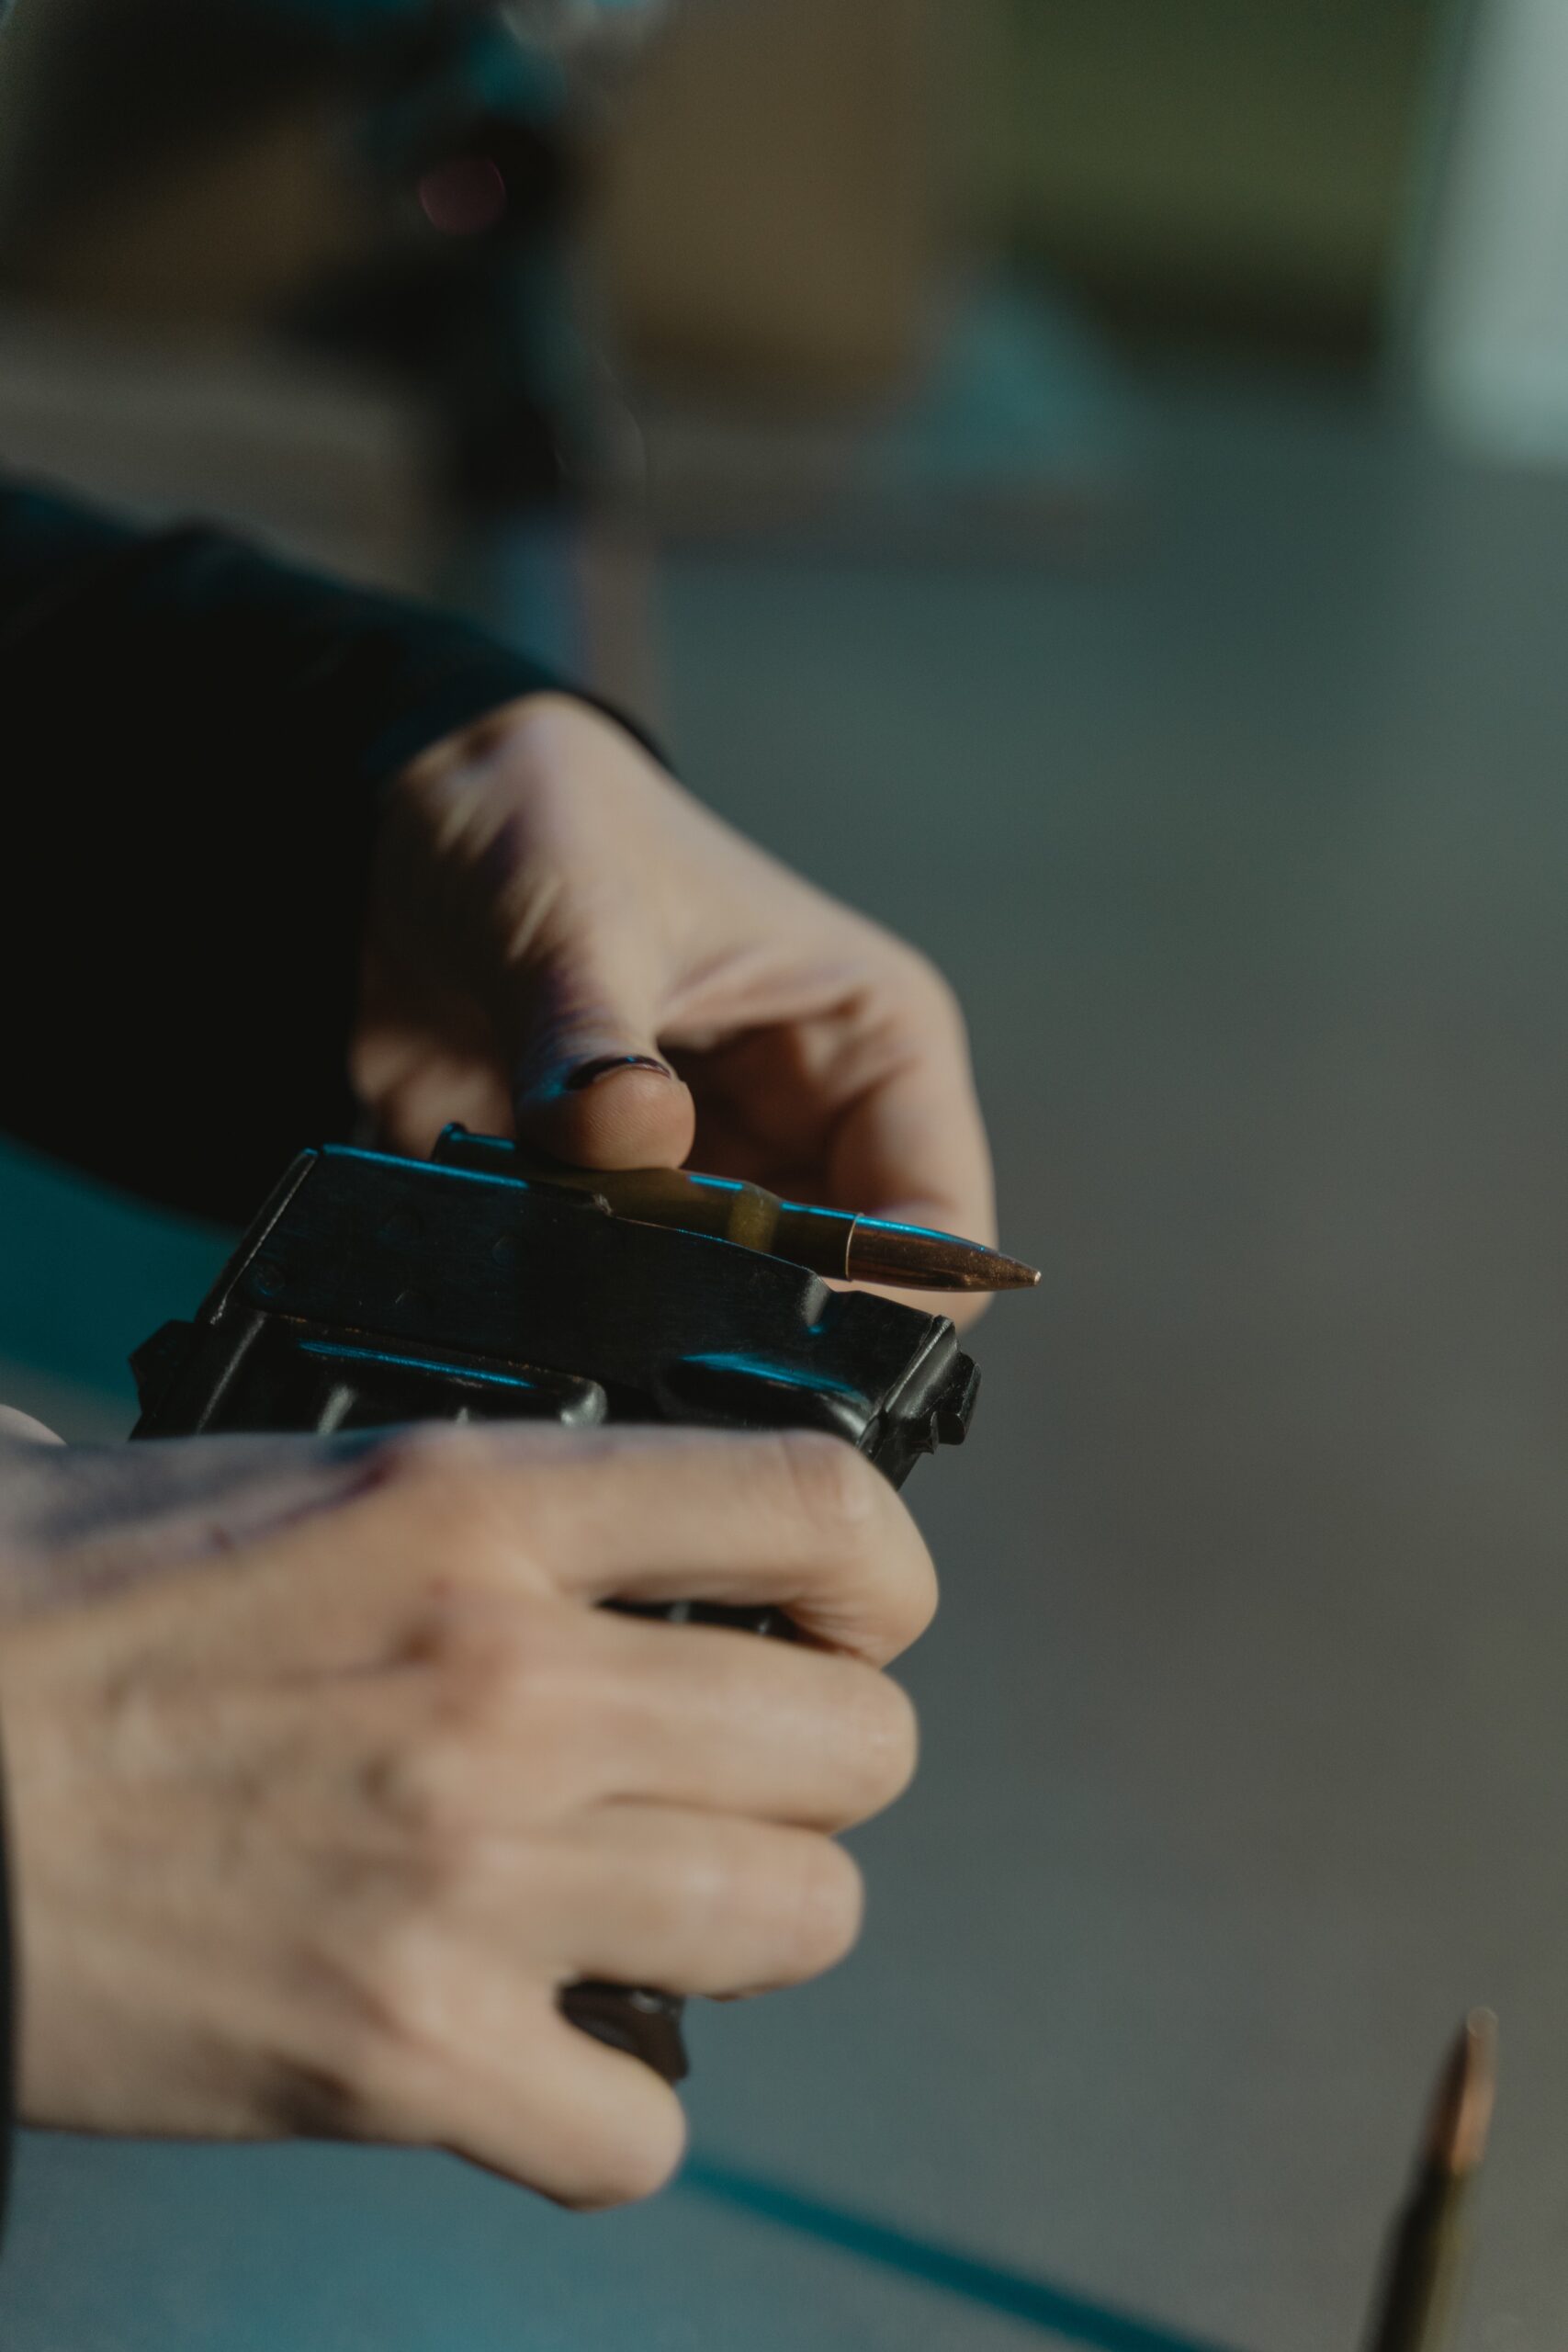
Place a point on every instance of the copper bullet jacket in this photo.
(831, 1241)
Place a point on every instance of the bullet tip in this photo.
(1012, 1273)
(919, 1258)
(1462, 2111)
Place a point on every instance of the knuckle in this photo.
(834, 1488)
(795, 1896)
(690, 1889)
(423, 1456)
(405, 1995)
(469, 1635)
(634, 2160)
(337, 2094)
(514, 1717)
(823, 1903)
(489, 1675)
(886, 1747)
(928, 987)
(419, 1787)
(522, 1695)
(916, 985)
(446, 1489)
(916, 1602)
(693, 1881)
(491, 1659)
(372, 2005)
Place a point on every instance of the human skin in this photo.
(326, 1771)
(545, 901)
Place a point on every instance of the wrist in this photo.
(541, 723)
(478, 740)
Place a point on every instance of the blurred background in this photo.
(1086, 479)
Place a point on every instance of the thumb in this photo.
(591, 1086)
(15, 1423)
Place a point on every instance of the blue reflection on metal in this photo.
(1073, 2317)
(329, 1354)
(779, 1376)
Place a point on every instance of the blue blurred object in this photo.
(86, 1275)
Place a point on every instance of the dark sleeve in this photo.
(191, 738)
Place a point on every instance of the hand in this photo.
(77, 1520)
(309, 1843)
(560, 937)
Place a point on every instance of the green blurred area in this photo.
(86, 1275)
(1205, 164)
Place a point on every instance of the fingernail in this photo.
(587, 1074)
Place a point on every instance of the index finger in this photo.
(792, 1518)
(909, 1142)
